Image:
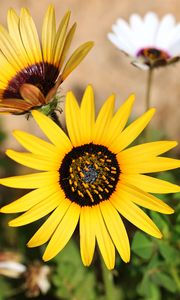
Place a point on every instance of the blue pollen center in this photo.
(90, 174)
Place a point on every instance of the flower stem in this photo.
(110, 290)
(148, 97)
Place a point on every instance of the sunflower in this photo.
(31, 72)
(89, 177)
(149, 42)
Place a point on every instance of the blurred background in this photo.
(105, 67)
(153, 273)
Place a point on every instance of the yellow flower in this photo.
(30, 71)
(89, 177)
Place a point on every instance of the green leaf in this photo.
(169, 253)
(176, 196)
(148, 289)
(165, 281)
(142, 246)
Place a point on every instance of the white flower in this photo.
(149, 41)
(12, 269)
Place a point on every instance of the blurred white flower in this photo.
(10, 264)
(150, 42)
(37, 279)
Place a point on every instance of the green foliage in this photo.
(71, 279)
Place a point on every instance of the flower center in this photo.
(89, 174)
(153, 54)
(43, 75)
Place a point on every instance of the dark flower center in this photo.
(43, 75)
(153, 54)
(89, 174)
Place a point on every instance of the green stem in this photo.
(110, 290)
(148, 88)
(175, 276)
(148, 97)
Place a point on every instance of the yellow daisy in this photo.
(89, 177)
(30, 71)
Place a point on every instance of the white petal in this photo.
(120, 43)
(151, 23)
(140, 65)
(164, 32)
(174, 50)
(137, 26)
(122, 29)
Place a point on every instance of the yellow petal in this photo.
(67, 45)
(31, 181)
(13, 27)
(131, 132)
(73, 119)
(35, 144)
(135, 215)
(103, 119)
(103, 239)
(145, 151)
(39, 210)
(87, 235)
(150, 184)
(30, 37)
(45, 232)
(156, 164)
(48, 34)
(63, 232)
(30, 199)
(7, 72)
(60, 38)
(119, 120)
(143, 199)
(9, 50)
(87, 115)
(75, 59)
(34, 161)
(54, 133)
(116, 229)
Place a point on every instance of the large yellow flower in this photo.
(89, 176)
(30, 71)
